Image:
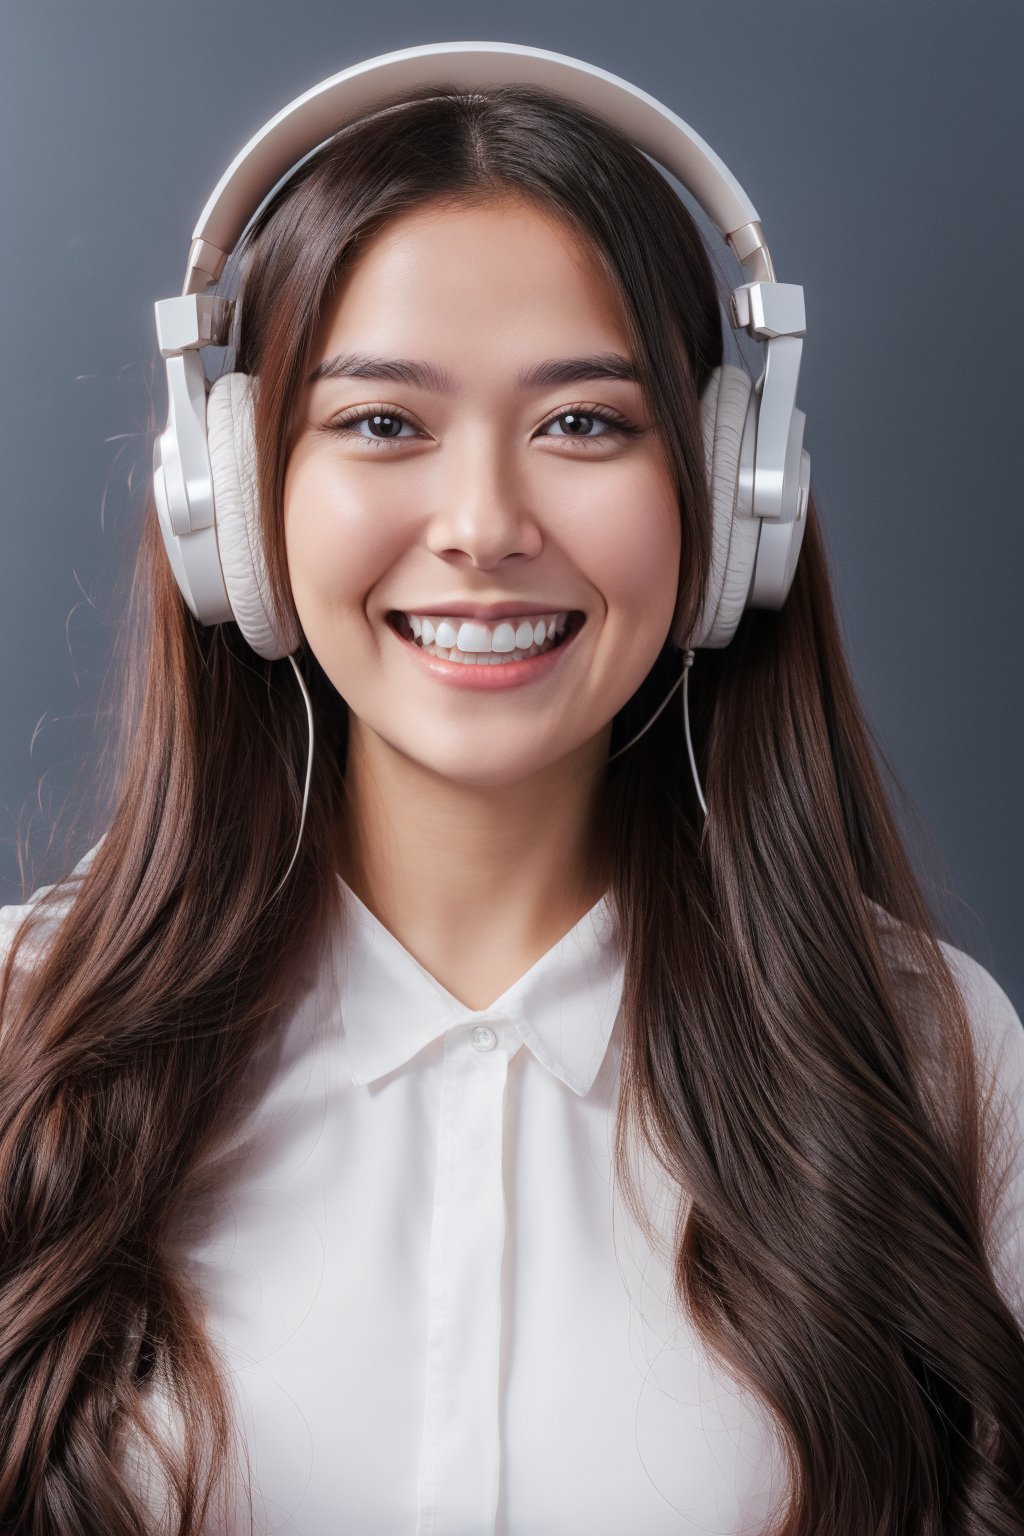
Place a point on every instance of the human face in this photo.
(480, 494)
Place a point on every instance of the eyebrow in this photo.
(401, 370)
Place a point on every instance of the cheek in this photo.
(338, 537)
(634, 550)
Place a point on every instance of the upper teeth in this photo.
(472, 635)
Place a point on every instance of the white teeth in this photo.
(475, 638)
(472, 639)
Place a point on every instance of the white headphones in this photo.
(204, 462)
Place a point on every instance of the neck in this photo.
(476, 881)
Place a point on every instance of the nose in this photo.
(482, 508)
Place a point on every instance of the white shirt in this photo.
(437, 1316)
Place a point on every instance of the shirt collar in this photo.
(564, 1006)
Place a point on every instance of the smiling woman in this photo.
(501, 1135)
(490, 495)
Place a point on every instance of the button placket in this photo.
(459, 1464)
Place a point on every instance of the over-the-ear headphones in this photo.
(204, 462)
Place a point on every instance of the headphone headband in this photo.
(319, 113)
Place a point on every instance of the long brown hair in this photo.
(808, 1081)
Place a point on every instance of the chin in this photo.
(492, 770)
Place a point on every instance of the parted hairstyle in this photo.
(796, 1050)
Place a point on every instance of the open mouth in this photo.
(400, 624)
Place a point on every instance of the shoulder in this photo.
(47, 907)
(998, 1035)
(995, 1024)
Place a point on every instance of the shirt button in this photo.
(483, 1038)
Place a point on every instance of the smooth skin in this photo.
(468, 827)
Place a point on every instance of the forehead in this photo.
(506, 269)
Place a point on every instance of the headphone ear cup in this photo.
(232, 448)
(726, 404)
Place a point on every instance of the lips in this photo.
(502, 676)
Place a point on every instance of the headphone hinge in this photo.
(769, 309)
(192, 320)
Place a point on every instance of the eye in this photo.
(385, 425)
(579, 423)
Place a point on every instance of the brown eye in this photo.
(384, 426)
(580, 424)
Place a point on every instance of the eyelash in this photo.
(617, 424)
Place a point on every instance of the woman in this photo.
(533, 1151)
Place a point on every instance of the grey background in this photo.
(880, 144)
